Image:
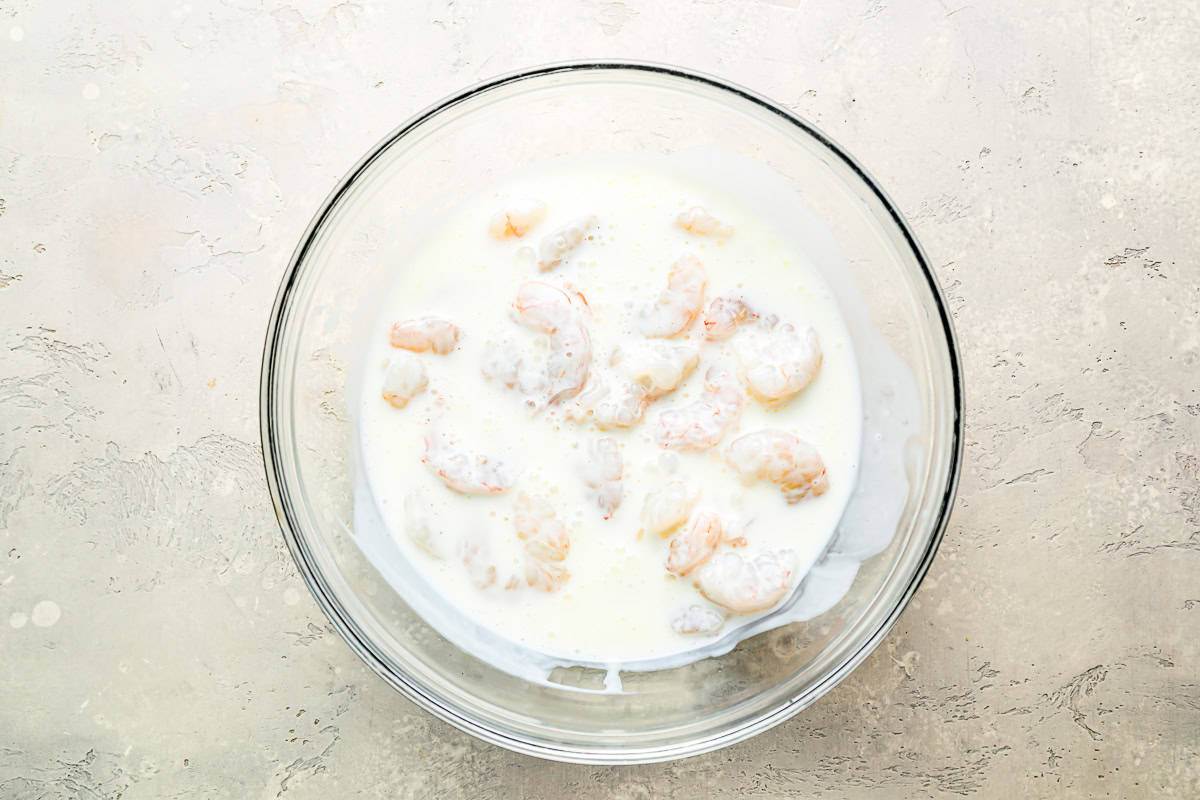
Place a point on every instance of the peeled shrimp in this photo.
(548, 309)
(698, 221)
(426, 333)
(678, 304)
(546, 542)
(555, 247)
(744, 586)
(781, 458)
(697, 619)
(694, 543)
(702, 423)
(659, 367)
(723, 317)
(545, 575)
(464, 472)
(405, 379)
(516, 218)
(476, 554)
(781, 364)
(667, 507)
(418, 524)
(610, 404)
(544, 535)
(505, 363)
(568, 361)
(734, 522)
(601, 472)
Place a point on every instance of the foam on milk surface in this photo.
(617, 606)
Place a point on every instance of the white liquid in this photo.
(617, 606)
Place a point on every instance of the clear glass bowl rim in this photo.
(346, 627)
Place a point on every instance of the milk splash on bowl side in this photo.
(585, 413)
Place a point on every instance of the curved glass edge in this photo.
(333, 609)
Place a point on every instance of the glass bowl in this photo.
(327, 303)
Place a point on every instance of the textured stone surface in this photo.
(158, 161)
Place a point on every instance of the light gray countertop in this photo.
(158, 162)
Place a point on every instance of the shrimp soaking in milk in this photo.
(703, 423)
(781, 458)
(505, 363)
(549, 310)
(697, 619)
(427, 333)
(744, 586)
(602, 469)
(677, 306)
(517, 217)
(582, 409)
(698, 221)
(666, 507)
(546, 542)
(609, 403)
(555, 247)
(780, 362)
(475, 551)
(724, 316)
(405, 379)
(466, 472)
(420, 526)
(657, 366)
(694, 543)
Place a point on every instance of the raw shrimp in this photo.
(504, 362)
(678, 304)
(697, 619)
(544, 535)
(782, 364)
(723, 317)
(418, 524)
(464, 472)
(568, 361)
(694, 543)
(546, 542)
(744, 586)
(545, 575)
(548, 309)
(667, 507)
(701, 424)
(610, 404)
(427, 333)
(405, 379)
(516, 218)
(601, 471)
(781, 458)
(659, 367)
(698, 221)
(476, 553)
(555, 247)
(734, 521)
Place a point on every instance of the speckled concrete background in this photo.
(159, 160)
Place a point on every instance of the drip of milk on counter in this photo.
(617, 606)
